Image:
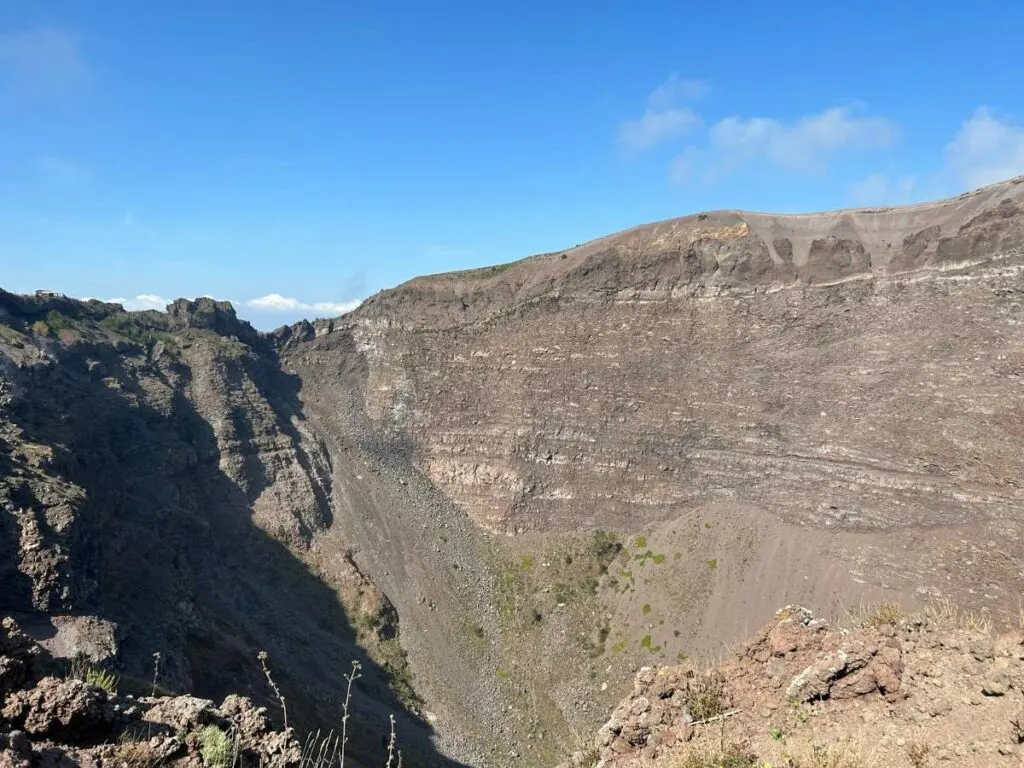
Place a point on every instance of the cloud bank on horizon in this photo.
(985, 149)
(275, 302)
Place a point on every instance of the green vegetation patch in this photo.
(101, 678)
(124, 325)
(727, 757)
(58, 321)
(214, 746)
(605, 547)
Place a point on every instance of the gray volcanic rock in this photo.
(790, 361)
(502, 490)
(19, 657)
(208, 314)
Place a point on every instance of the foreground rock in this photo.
(895, 691)
(66, 722)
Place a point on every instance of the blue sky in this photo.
(297, 157)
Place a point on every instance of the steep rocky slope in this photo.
(532, 478)
(161, 493)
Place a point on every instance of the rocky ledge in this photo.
(50, 720)
(937, 688)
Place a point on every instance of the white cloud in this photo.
(41, 64)
(986, 149)
(275, 302)
(674, 90)
(63, 172)
(880, 189)
(664, 118)
(804, 146)
(142, 301)
(656, 126)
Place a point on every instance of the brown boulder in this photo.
(62, 710)
(182, 713)
(859, 667)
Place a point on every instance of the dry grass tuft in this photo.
(918, 753)
(947, 615)
(839, 754)
(134, 754)
(705, 695)
(320, 751)
(877, 615)
(736, 756)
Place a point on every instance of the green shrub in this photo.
(80, 668)
(57, 322)
(100, 678)
(125, 325)
(564, 593)
(214, 746)
(605, 547)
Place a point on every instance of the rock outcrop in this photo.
(68, 722)
(891, 688)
